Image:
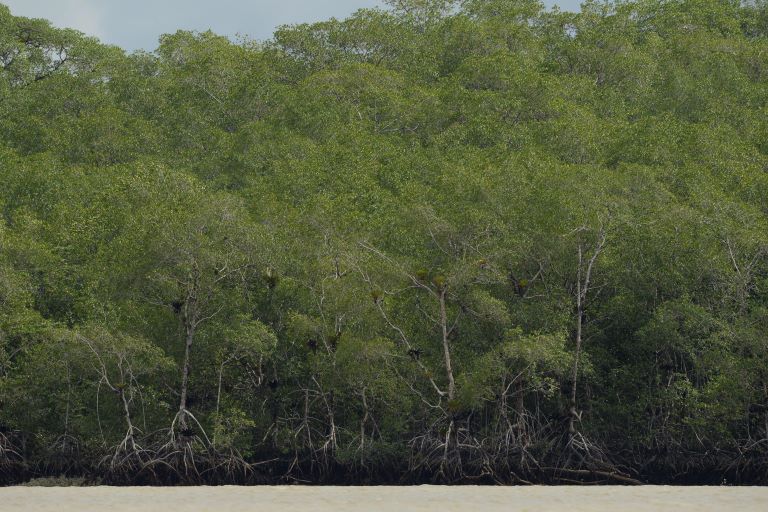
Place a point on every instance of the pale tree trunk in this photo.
(583, 282)
(126, 377)
(130, 440)
(448, 372)
(574, 415)
(190, 338)
(190, 319)
(446, 347)
(520, 410)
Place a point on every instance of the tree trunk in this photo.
(583, 282)
(574, 415)
(449, 435)
(218, 400)
(129, 437)
(446, 348)
(185, 377)
(520, 409)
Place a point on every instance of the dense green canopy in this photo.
(449, 240)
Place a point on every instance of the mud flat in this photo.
(383, 499)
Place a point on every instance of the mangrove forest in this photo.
(439, 241)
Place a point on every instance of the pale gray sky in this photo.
(134, 24)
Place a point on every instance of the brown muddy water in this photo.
(383, 499)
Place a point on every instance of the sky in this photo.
(137, 24)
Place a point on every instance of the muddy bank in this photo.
(385, 499)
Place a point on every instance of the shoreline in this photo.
(386, 498)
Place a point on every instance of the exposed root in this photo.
(13, 467)
(586, 461)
